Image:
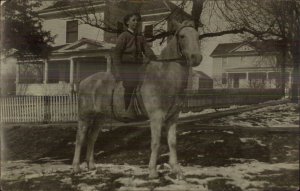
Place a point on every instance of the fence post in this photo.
(47, 114)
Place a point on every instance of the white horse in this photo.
(164, 80)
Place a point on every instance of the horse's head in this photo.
(188, 42)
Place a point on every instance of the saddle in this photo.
(136, 110)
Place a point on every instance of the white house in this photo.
(248, 65)
(80, 49)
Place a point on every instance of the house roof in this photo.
(201, 75)
(251, 48)
(147, 6)
(157, 6)
(84, 44)
(67, 4)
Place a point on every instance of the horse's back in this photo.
(95, 92)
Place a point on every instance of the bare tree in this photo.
(277, 20)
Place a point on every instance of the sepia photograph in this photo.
(149, 95)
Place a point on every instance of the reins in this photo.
(179, 48)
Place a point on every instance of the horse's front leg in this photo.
(173, 153)
(156, 124)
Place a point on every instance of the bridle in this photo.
(182, 59)
(179, 48)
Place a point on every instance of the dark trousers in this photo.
(130, 75)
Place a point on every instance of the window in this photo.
(224, 78)
(31, 73)
(257, 80)
(72, 31)
(89, 66)
(235, 78)
(224, 62)
(243, 59)
(59, 71)
(148, 33)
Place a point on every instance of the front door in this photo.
(236, 82)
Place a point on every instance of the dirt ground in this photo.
(213, 158)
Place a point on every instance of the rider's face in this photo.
(132, 22)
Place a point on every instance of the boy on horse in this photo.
(130, 49)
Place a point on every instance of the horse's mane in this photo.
(171, 50)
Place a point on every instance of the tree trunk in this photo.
(283, 61)
(296, 75)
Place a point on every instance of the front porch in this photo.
(62, 72)
(266, 78)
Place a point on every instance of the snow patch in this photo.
(240, 175)
(259, 142)
(185, 133)
(218, 141)
(228, 132)
(284, 115)
(86, 187)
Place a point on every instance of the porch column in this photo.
(108, 65)
(227, 79)
(290, 80)
(46, 72)
(77, 76)
(71, 70)
(268, 80)
(72, 75)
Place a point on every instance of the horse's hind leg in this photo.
(91, 139)
(156, 124)
(173, 153)
(80, 137)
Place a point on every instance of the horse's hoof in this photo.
(153, 175)
(178, 172)
(92, 166)
(76, 170)
(180, 176)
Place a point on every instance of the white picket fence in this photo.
(22, 109)
(18, 109)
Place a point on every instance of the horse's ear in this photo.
(174, 25)
(188, 23)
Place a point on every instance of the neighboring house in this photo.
(201, 81)
(80, 49)
(248, 65)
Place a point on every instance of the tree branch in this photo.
(258, 34)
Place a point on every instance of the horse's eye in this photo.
(181, 36)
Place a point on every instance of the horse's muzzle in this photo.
(195, 60)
